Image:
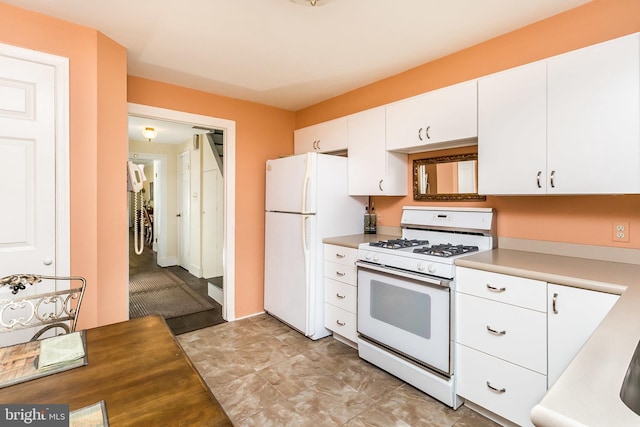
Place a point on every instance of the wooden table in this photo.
(138, 368)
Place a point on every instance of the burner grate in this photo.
(399, 243)
(445, 250)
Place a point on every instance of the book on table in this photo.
(61, 350)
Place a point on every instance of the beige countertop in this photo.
(588, 392)
(354, 240)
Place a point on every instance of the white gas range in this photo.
(405, 304)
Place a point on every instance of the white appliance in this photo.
(306, 200)
(405, 306)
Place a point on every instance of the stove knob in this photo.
(367, 256)
(420, 266)
(375, 258)
(432, 268)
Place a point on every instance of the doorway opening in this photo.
(165, 245)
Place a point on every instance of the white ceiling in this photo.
(288, 55)
(168, 132)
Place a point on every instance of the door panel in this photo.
(183, 215)
(287, 267)
(27, 167)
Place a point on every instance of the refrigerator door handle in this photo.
(305, 184)
(305, 250)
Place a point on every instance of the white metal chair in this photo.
(51, 310)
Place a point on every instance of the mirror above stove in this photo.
(446, 178)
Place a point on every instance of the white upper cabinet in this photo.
(326, 137)
(594, 119)
(512, 131)
(441, 118)
(372, 169)
(566, 125)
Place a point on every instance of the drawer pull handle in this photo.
(497, 390)
(494, 332)
(555, 303)
(340, 255)
(494, 289)
(340, 323)
(340, 273)
(341, 296)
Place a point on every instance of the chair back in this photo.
(58, 309)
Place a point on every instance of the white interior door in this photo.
(27, 167)
(183, 213)
(212, 223)
(34, 184)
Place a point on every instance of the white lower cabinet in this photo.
(574, 314)
(503, 388)
(511, 347)
(340, 291)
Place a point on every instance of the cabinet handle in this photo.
(338, 255)
(340, 323)
(340, 273)
(420, 134)
(554, 303)
(497, 390)
(494, 289)
(340, 296)
(494, 332)
(318, 145)
(539, 183)
(553, 173)
(314, 145)
(380, 185)
(426, 132)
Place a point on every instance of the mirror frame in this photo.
(461, 197)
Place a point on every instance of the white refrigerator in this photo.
(306, 200)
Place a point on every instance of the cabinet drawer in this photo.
(340, 321)
(341, 272)
(340, 254)
(341, 295)
(514, 290)
(502, 330)
(523, 389)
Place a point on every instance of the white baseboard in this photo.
(195, 270)
(167, 262)
(216, 293)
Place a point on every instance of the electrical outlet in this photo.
(620, 231)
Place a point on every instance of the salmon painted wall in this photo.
(262, 133)
(572, 219)
(96, 127)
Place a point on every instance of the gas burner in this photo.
(399, 243)
(445, 250)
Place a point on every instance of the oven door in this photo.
(410, 316)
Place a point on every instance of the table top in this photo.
(138, 368)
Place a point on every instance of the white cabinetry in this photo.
(326, 137)
(574, 314)
(443, 117)
(566, 125)
(340, 291)
(512, 131)
(501, 352)
(515, 336)
(594, 119)
(372, 169)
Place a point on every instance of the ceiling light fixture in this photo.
(311, 2)
(149, 133)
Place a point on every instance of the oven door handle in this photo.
(397, 272)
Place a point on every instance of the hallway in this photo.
(146, 262)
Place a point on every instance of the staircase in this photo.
(216, 141)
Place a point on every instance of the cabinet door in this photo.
(373, 170)
(594, 119)
(324, 137)
(512, 131)
(573, 315)
(441, 118)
